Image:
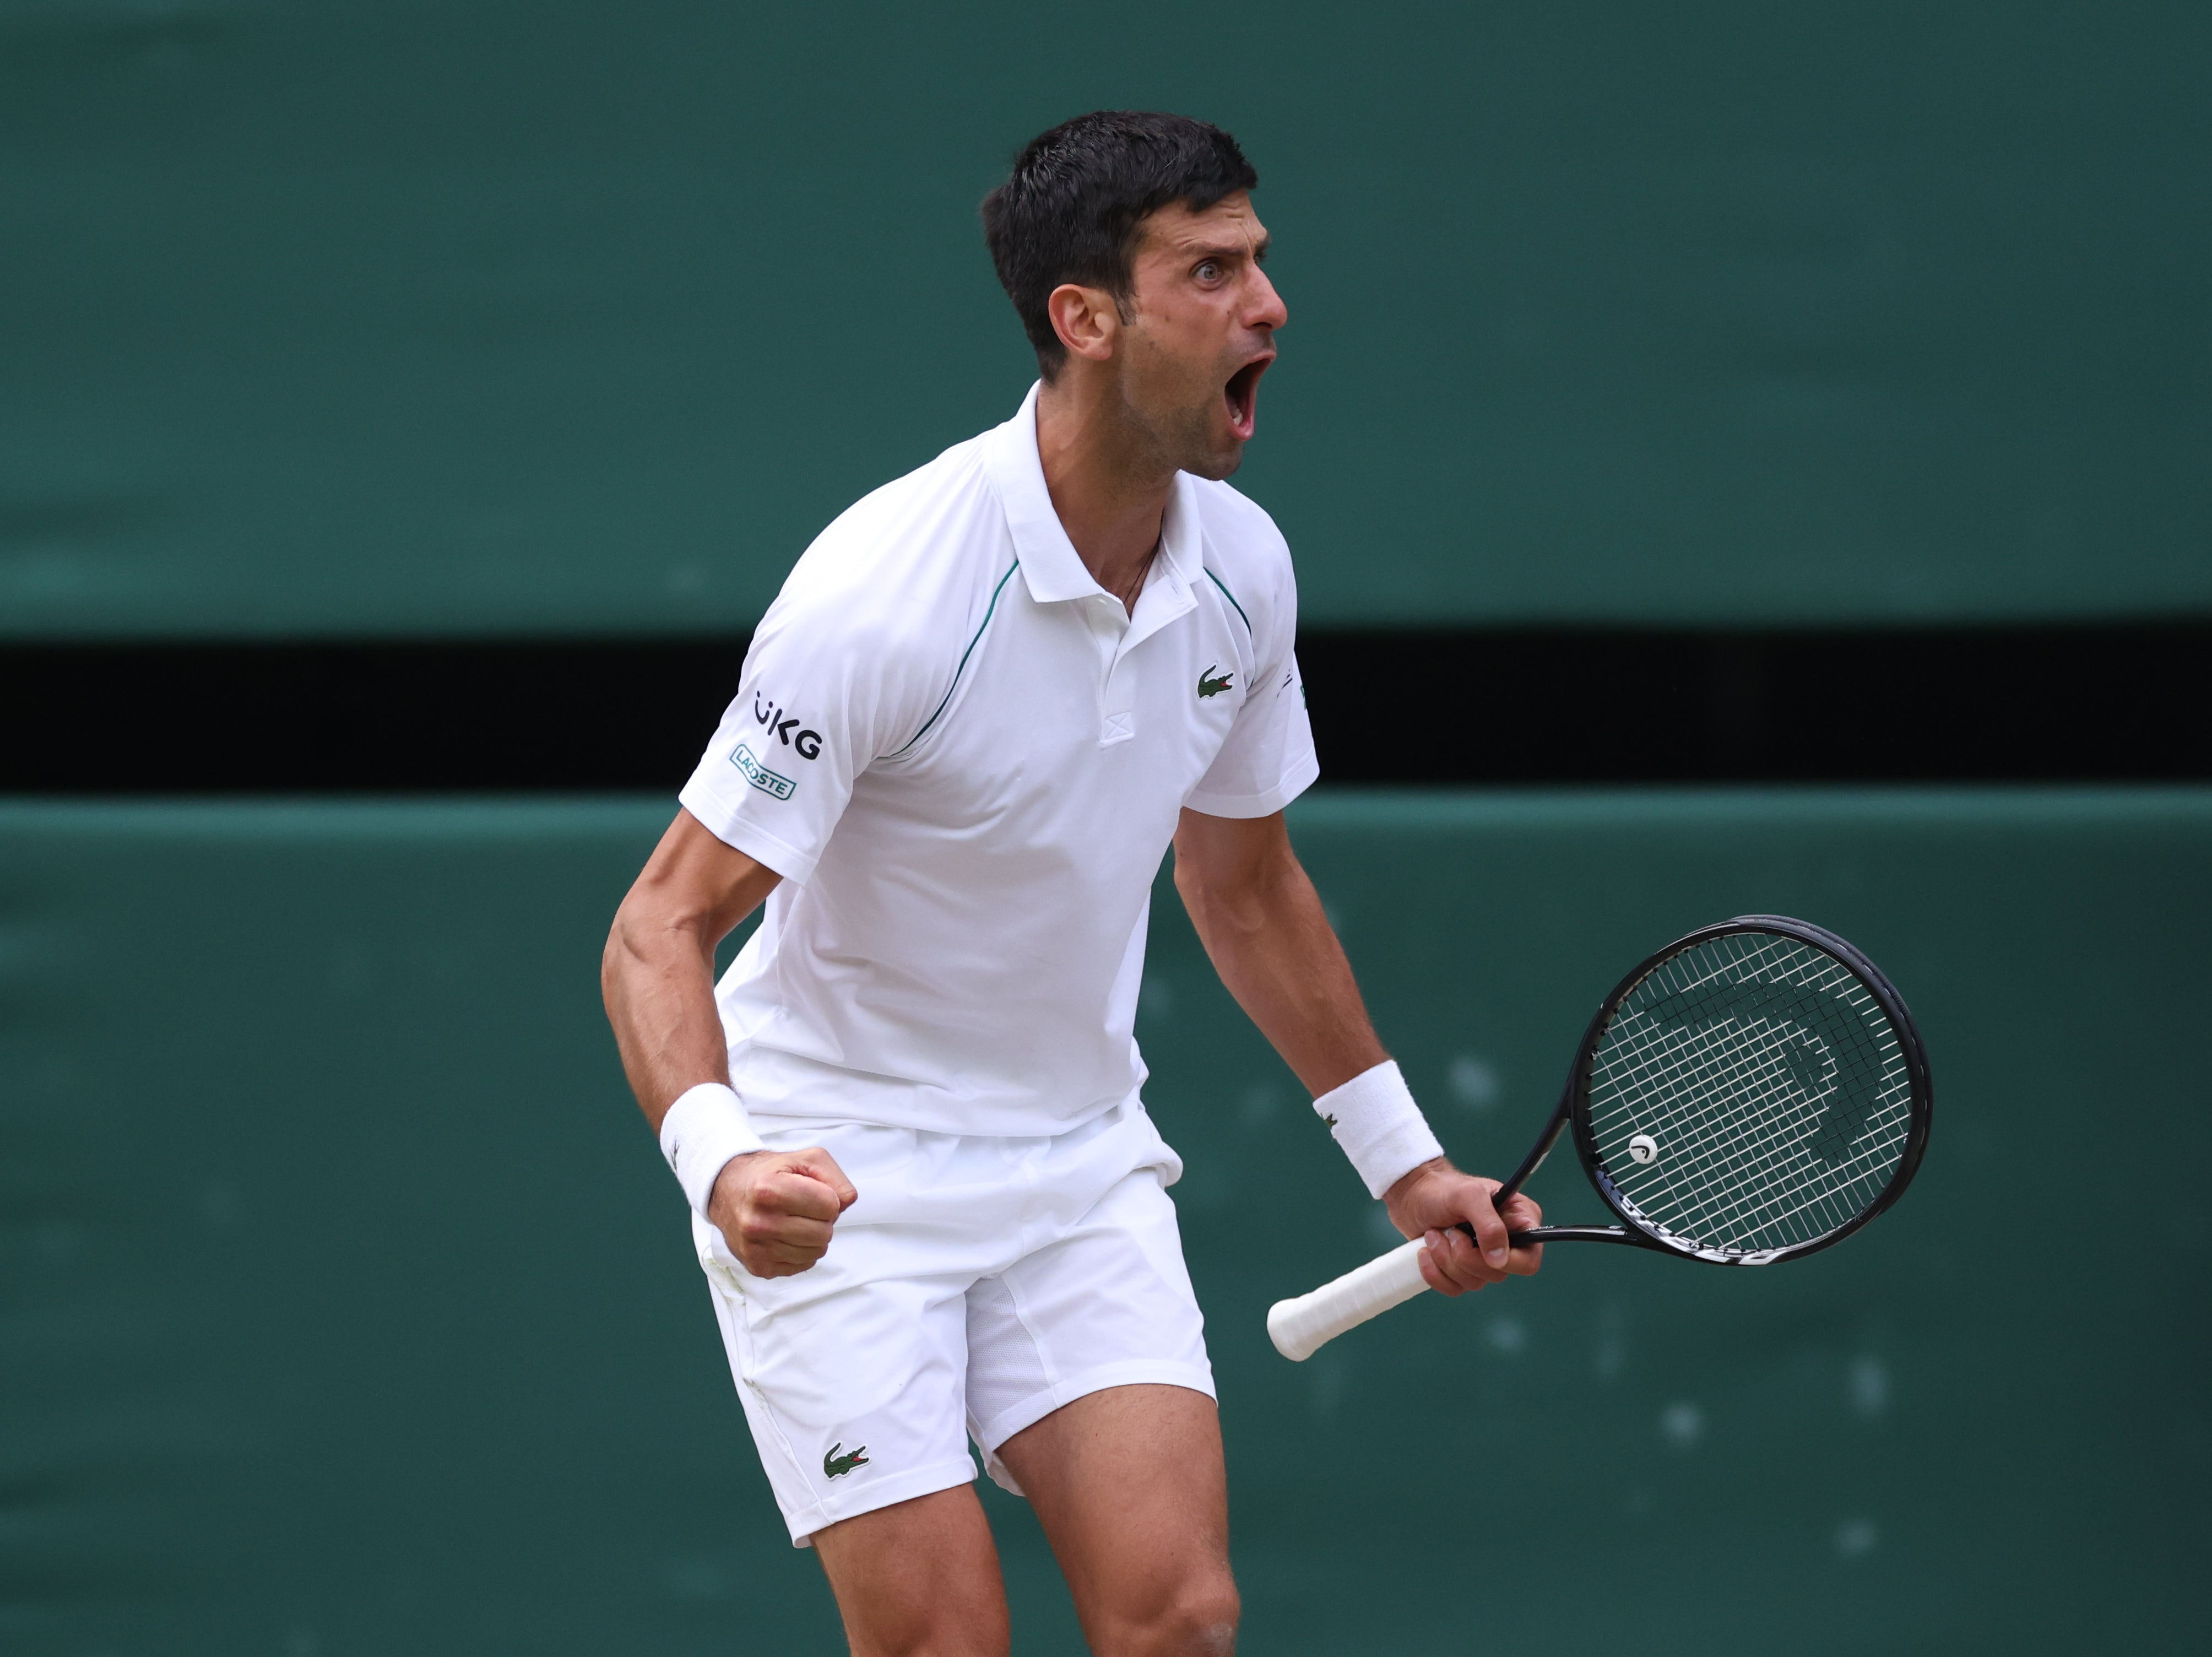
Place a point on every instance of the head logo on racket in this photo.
(1782, 1037)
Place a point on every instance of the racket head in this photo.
(1754, 1093)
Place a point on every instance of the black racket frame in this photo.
(1574, 1108)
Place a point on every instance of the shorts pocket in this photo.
(1162, 1155)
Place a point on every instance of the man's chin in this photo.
(1203, 442)
(1219, 460)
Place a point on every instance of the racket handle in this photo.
(1302, 1326)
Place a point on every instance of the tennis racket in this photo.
(1754, 1093)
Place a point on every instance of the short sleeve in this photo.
(1268, 760)
(818, 698)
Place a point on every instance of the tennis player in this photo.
(927, 1198)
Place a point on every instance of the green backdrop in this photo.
(486, 316)
(345, 1307)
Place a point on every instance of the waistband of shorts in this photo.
(771, 1079)
(767, 1123)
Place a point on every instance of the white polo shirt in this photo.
(967, 762)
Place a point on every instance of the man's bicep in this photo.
(696, 877)
(1222, 854)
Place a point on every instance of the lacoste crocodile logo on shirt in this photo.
(837, 1467)
(1208, 685)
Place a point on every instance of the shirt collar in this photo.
(1051, 567)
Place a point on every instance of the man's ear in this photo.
(1087, 320)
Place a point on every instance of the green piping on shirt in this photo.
(1231, 597)
(970, 651)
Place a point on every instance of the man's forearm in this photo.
(657, 974)
(658, 983)
(1270, 939)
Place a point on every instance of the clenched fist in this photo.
(777, 1208)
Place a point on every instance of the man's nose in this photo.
(1267, 310)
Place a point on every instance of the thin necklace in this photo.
(1129, 599)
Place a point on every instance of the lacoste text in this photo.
(760, 776)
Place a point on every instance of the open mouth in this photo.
(1242, 394)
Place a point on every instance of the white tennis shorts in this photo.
(976, 1286)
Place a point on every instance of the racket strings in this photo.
(1749, 1094)
(1752, 1158)
(1743, 1060)
(1731, 1177)
(1746, 1063)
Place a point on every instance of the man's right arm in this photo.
(776, 1209)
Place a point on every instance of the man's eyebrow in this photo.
(1227, 249)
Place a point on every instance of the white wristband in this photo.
(702, 1131)
(1375, 1122)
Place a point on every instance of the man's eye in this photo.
(1208, 270)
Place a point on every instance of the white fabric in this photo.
(704, 1129)
(976, 1285)
(967, 761)
(1375, 1122)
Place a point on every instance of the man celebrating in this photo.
(928, 1201)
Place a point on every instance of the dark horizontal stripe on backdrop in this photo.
(2117, 702)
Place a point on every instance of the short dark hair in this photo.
(1071, 209)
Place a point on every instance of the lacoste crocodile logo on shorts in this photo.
(837, 1467)
(1208, 685)
(767, 781)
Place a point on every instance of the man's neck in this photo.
(1109, 482)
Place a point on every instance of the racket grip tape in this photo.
(1300, 1327)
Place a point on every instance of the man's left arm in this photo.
(1265, 930)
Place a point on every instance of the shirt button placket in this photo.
(1110, 626)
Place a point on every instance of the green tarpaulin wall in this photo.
(482, 316)
(347, 1307)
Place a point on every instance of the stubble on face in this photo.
(1200, 333)
(1178, 427)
